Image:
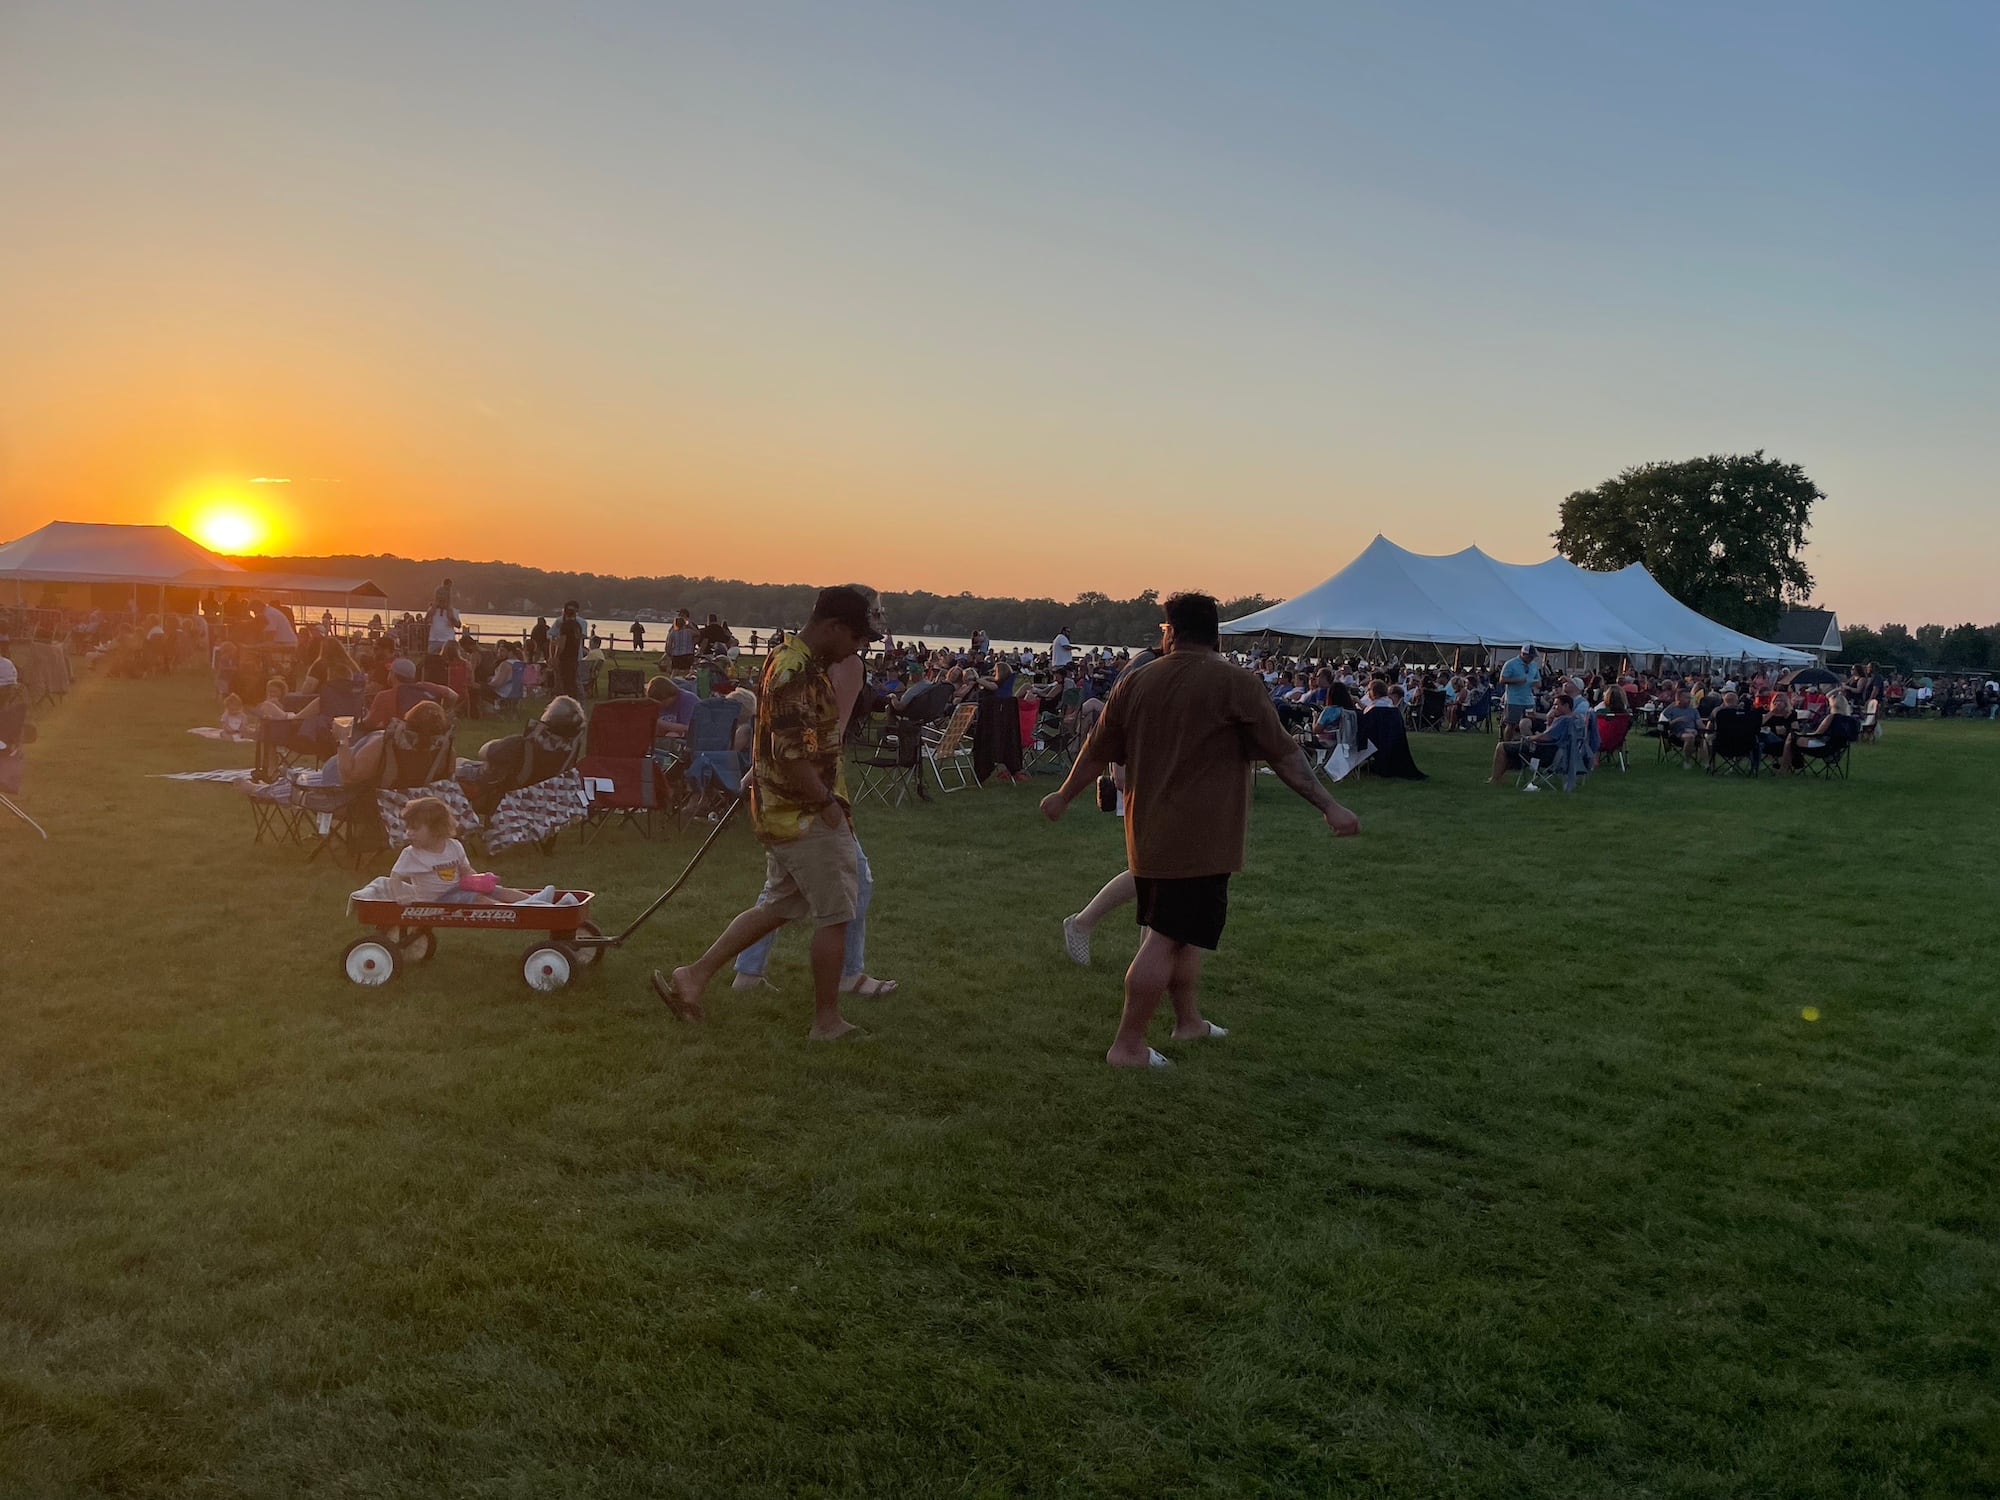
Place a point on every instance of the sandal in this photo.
(867, 988)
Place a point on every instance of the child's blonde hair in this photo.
(429, 815)
(232, 704)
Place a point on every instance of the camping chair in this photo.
(1611, 732)
(888, 765)
(715, 765)
(1871, 723)
(1736, 748)
(620, 776)
(513, 687)
(625, 682)
(14, 735)
(1052, 743)
(1430, 708)
(537, 802)
(347, 821)
(1830, 760)
(1567, 761)
(949, 746)
(1478, 713)
(892, 757)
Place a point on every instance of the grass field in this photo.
(1520, 1174)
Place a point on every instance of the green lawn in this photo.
(1520, 1174)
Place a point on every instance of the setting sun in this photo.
(228, 525)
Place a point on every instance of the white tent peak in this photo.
(71, 552)
(1467, 598)
(106, 552)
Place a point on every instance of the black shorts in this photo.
(1189, 910)
(682, 663)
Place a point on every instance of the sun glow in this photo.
(226, 524)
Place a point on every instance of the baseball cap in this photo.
(1527, 649)
(404, 669)
(852, 608)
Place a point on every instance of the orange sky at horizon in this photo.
(1016, 301)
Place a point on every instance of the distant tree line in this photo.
(1932, 647)
(508, 588)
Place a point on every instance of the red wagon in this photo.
(565, 939)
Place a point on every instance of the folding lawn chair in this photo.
(625, 682)
(948, 746)
(14, 736)
(620, 776)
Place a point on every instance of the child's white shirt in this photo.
(435, 875)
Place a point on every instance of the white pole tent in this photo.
(65, 553)
(1390, 593)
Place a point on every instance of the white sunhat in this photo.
(9, 673)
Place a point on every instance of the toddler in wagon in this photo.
(433, 866)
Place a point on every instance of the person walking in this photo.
(1188, 729)
(810, 862)
(847, 677)
(638, 637)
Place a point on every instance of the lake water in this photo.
(512, 627)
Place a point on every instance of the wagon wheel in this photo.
(548, 966)
(418, 945)
(588, 954)
(370, 961)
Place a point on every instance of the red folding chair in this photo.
(620, 776)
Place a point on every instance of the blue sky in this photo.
(1024, 298)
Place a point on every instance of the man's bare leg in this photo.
(1145, 982)
(1184, 988)
(1118, 890)
(690, 980)
(829, 954)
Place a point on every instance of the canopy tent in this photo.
(1469, 599)
(85, 552)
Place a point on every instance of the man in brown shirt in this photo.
(1188, 729)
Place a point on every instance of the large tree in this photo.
(1722, 534)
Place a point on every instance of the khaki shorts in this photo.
(814, 877)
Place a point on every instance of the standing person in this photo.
(566, 651)
(538, 640)
(1187, 728)
(638, 637)
(810, 865)
(1517, 681)
(1060, 654)
(680, 644)
(441, 625)
(847, 677)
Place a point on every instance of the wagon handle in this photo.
(667, 895)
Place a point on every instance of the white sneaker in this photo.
(546, 896)
(1076, 942)
(1531, 787)
(570, 898)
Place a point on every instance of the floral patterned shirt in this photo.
(798, 724)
